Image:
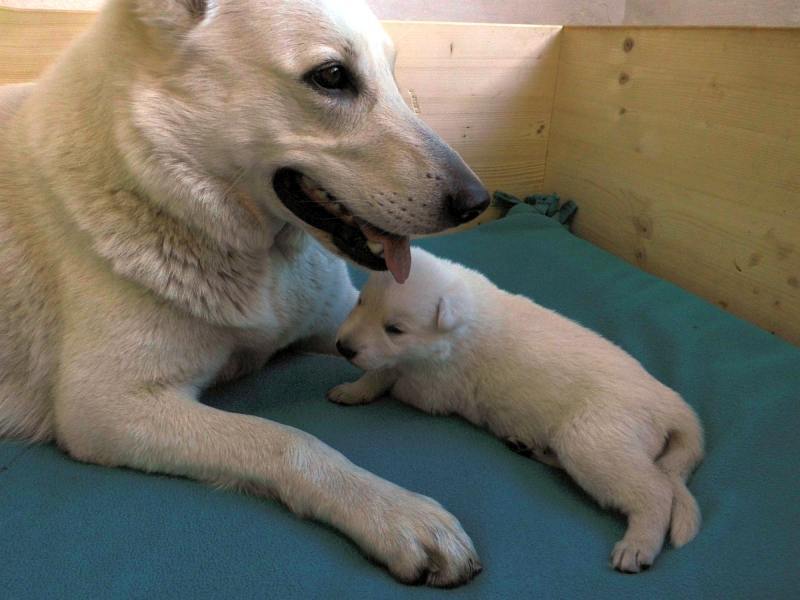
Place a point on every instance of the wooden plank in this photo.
(682, 148)
(76, 5)
(487, 90)
(31, 40)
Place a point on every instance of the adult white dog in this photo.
(166, 190)
(451, 342)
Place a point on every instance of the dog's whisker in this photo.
(235, 181)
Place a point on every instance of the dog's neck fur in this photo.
(92, 162)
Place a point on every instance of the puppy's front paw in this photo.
(349, 394)
(421, 543)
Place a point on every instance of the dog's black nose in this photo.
(468, 203)
(348, 353)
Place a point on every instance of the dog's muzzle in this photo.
(361, 241)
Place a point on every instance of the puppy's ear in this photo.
(446, 314)
(174, 15)
(453, 308)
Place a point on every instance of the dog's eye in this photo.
(393, 330)
(331, 77)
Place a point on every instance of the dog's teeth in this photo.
(307, 184)
(318, 195)
(376, 248)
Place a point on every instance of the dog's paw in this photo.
(632, 557)
(348, 394)
(423, 544)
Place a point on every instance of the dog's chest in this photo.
(301, 296)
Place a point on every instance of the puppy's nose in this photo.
(468, 202)
(345, 351)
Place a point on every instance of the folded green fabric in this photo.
(548, 205)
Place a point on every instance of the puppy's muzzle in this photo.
(345, 350)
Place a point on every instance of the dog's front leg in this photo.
(240, 364)
(162, 429)
(369, 387)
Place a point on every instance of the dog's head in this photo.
(296, 99)
(397, 324)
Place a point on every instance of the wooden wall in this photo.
(30, 40)
(681, 146)
(487, 90)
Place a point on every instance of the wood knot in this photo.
(628, 44)
(644, 226)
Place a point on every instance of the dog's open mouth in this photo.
(361, 241)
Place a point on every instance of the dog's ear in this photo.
(174, 15)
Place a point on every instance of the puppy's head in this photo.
(397, 324)
(296, 101)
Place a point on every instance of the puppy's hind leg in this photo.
(627, 480)
(680, 457)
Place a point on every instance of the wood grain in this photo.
(682, 148)
(487, 90)
(31, 40)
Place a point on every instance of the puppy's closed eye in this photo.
(393, 330)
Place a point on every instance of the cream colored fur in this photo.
(144, 253)
(549, 387)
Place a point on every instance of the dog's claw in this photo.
(421, 543)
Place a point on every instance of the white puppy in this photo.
(449, 341)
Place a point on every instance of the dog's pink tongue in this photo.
(397, 254)
(396, 251)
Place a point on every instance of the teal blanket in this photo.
(78, 531)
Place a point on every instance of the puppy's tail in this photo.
(684, 450)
